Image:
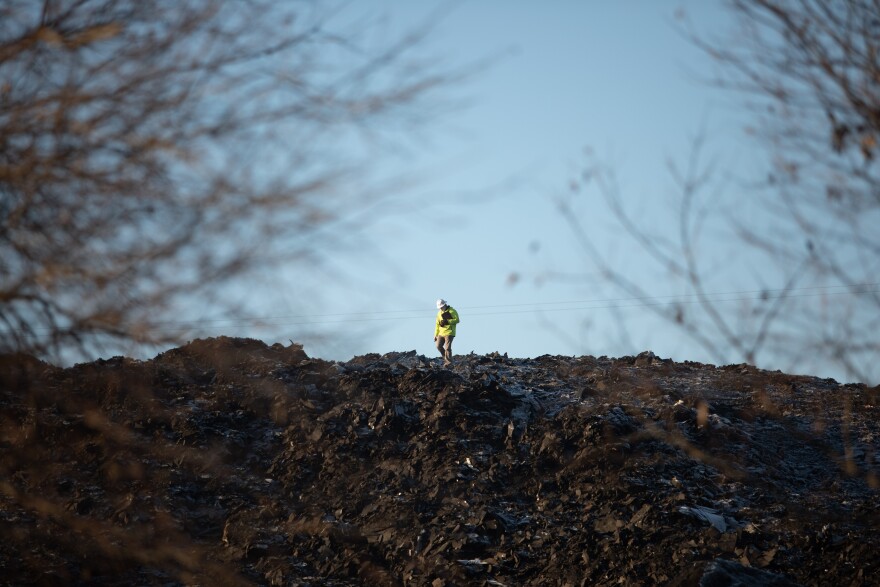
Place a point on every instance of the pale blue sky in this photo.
(614, 77)
(565, 75)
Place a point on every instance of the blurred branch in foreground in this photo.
(809, 72)
(151, 150)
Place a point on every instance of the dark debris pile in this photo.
(228, 462)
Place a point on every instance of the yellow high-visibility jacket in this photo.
(449, 328)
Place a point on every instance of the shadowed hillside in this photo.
(229, 462)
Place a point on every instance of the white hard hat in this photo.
(441, 302)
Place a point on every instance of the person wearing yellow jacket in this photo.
(444, 330)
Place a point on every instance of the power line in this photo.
(507, 309)
(534, 307)
(762, 292)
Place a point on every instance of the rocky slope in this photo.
(228, 462)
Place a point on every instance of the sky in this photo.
(563, 83)
(616, 78)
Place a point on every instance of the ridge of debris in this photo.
(230, 462)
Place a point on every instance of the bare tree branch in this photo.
(810, 70)
(152, 149)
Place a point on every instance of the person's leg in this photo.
(447, 348)
(441, 342)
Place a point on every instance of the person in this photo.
(444, 330)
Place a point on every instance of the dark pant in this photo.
(444, 345)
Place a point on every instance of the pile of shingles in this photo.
(230, 462)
